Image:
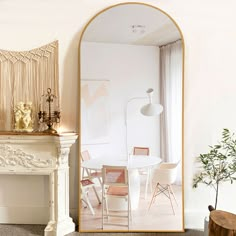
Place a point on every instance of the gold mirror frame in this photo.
(79, 87)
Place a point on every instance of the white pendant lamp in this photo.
(151, 109)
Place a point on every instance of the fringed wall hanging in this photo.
(24, 77)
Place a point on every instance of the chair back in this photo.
(115, 184)
(141, 151)
(85, 156)
(165, 173)
(115, 175)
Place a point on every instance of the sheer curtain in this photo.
(171, 99)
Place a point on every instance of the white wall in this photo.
(210, 35)
(131, 70)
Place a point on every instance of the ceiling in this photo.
(116, 25)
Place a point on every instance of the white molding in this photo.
(194, 219)
(16, 157)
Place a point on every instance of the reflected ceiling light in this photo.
(138, 29)
(151, 109)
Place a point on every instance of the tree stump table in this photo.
(222, 223)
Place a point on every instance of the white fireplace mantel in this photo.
(42, 154)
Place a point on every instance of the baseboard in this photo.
(194, 219)
(24, 215)
(74, 215)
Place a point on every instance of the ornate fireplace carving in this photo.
(10, 156)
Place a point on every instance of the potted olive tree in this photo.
(218, 165)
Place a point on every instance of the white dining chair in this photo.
(85, 185)
(163, 177)
(90, 174)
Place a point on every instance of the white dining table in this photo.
(133, 164)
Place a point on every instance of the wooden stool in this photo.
(222, 223)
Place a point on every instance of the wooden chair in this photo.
(141, 151)
(85, 156)
(144, 151)
(85, 185)
(164, 176)
(115, 185)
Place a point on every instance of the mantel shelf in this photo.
(37, 133)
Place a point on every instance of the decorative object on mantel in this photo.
(49, 111)
(23, 119)
(217, 166)
(24, 76)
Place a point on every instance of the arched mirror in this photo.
(131, 119)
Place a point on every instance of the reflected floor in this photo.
(159, 218)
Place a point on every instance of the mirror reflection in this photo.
(131, 80)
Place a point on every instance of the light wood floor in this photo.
(158, 219)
